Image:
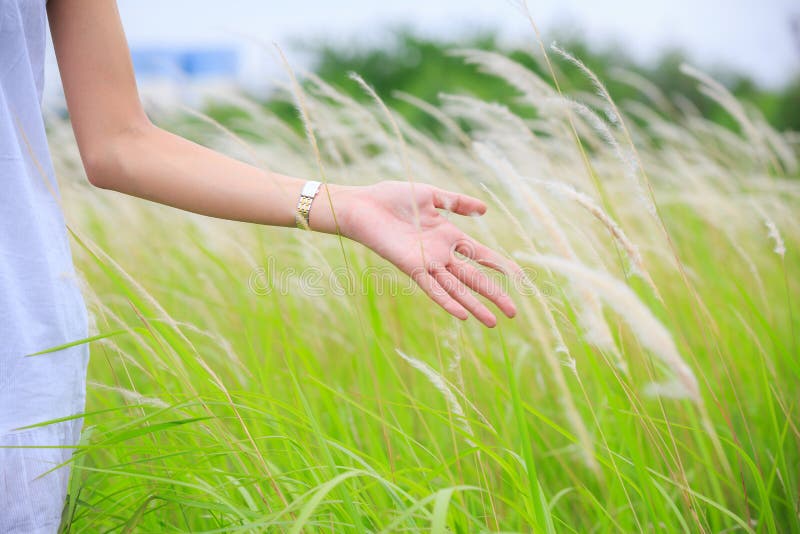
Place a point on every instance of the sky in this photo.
(751, 35)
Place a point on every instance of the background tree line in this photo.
(426, 67)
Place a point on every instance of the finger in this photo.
(476, 280)
(482, 254)
(464, 296)
(457, 203)
(441, 297)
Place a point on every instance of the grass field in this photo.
(268, 380)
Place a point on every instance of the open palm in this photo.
(402, 223)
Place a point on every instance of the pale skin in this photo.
(123, 151)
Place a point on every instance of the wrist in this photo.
(330, 209)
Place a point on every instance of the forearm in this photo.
(150, 163)
(123, 151)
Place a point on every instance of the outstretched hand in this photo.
(434, 252)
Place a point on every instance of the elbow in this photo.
(107, 160)
(99, 169)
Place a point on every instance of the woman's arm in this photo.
(122, 150)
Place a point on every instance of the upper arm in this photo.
(96, 72)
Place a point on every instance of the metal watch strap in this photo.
(310, 190)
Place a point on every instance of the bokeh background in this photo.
(184, 50)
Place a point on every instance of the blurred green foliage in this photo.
(426, 67)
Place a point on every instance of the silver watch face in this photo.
(310, 189)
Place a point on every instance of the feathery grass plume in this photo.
(440, 384)
(718, 93)
(645, 86)
(570, 363)
(361, 114)
(588, 203)
(458, 390)
(530, 202)
(451, 125)
(670, 389)
(131, 396)
(656, 127)
(722, 146)
(775, 235)
(389, 116)
(615, 117)
(486, 112)
(595, 122)
(652, 205)
(779, 144)
(627, 158)
(610, 111)
(516, 74)
(595, 326)
(772, 230)
(722, 223)
(550, 353)
(426, 152)
(564, 395)
(402, 148)
(619, 297)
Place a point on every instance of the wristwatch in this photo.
(310, 190)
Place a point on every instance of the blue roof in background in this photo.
(183, 63)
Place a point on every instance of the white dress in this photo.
(40, 302)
